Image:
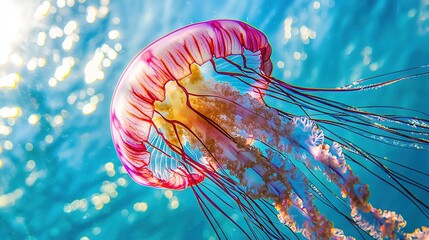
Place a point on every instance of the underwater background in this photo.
(60, 60)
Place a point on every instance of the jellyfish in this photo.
(200, 105)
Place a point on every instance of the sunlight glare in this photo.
(14, 19)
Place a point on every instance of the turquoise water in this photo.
(59, 173)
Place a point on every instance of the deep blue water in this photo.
(59, 173)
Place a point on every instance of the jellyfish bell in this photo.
(145, 78)
(193, 106)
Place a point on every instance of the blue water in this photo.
(59, 173)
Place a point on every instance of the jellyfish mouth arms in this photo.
(144, 79)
